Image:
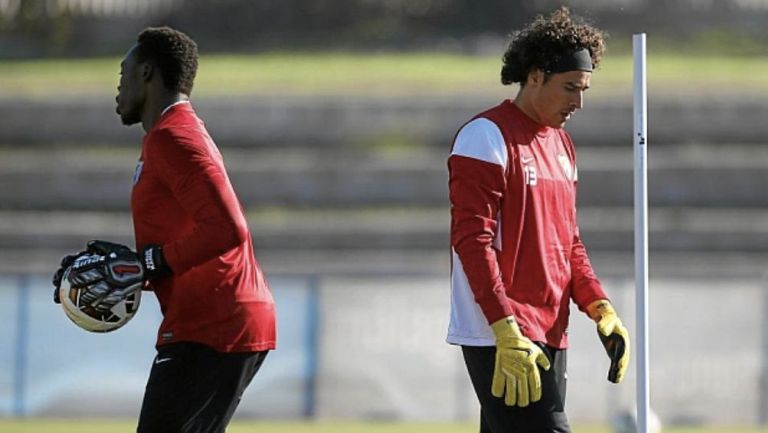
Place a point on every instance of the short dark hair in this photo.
(171, 51)
(545, 40)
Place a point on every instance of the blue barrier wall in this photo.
(373, 347)
(49, 366)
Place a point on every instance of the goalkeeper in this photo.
(517, 257)
(195, 248)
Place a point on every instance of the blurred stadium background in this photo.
(335, 119)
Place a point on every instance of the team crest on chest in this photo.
(566, 164)
(137, 172)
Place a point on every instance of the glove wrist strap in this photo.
(506, 327)
(153, 261)
(598, 309)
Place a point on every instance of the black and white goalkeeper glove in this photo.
(151, 257)
(106, 274)
(110, 272)
(122, 265)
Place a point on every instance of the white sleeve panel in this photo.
(467, 326)
(481, 139)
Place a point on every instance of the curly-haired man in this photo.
(518, 259)
(218, 312)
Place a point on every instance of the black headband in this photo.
(579, 60)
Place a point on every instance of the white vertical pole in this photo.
(641, 230)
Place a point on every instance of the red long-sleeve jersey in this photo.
(182, 199)
(515, 241)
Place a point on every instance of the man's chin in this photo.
(129, 120)
(559, 123)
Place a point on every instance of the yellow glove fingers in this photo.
(622, 369)
(535, 377)
(617, 347)
(499, 379)
(515, 380)
(534, 384)
(516, 373)
(543, 361)
(510, 399)
(519, 383)
(523, 398)
(610, 329)
(623, 362)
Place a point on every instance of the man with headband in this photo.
(517, 258)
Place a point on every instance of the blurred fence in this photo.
(372, 347)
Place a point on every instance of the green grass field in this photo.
(94, 426)
(380, 75)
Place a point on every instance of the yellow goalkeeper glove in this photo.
(516, 365)
(614, 337)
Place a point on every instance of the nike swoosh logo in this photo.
(526, 160)
(161, 360)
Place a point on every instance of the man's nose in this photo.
(578, 100)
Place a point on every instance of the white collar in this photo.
(172, 105)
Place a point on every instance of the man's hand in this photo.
(613, 335)
(110, 272)
(122, 273)
(151, 257)
(105, 272)
(517, 362)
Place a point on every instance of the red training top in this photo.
(183, 200)
(514, 235)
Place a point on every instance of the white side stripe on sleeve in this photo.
(481, 139)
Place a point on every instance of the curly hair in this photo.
(173, 52)
(545, 40)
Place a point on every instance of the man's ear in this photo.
(535, 78)
(146, 71)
